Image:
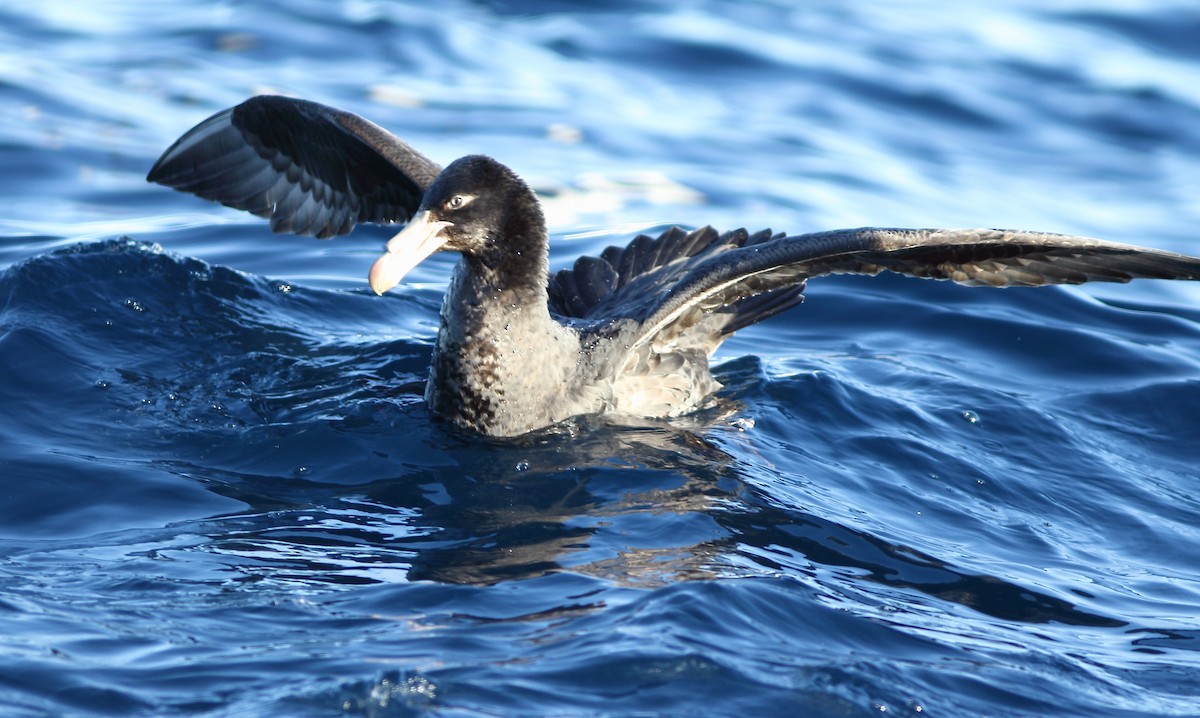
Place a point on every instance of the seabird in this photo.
(626, 333)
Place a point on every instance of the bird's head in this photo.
(473, 205)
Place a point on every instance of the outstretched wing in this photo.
(309, 168)
(979, 257)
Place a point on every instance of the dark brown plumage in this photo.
(628, 332)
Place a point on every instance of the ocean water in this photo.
(221, 493)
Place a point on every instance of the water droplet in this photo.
(970, 417)
(522, 466)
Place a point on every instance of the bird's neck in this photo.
(510, 273)
(493, 289)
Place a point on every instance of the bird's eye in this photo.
(458, 201)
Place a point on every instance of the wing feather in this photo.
(979, 257)
(695, 288)
(309, 168)
(624, 278)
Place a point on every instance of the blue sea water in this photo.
(221, 493)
